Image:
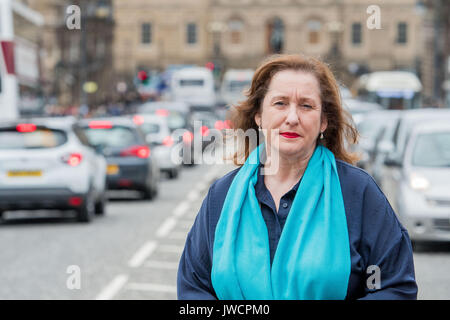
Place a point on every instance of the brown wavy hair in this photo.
(340, 127)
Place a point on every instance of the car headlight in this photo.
(417, 182)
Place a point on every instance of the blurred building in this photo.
(157, 33)
(436, 61)
(77, 62)
(27, 26)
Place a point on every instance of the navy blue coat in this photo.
(376, 238)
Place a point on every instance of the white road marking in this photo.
(111, 290)
(161, 265)
(151, 287)
(193, 195)
(143, 253)
(181, 209)
(167, 226)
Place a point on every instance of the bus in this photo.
(194, 85)
(396, 90)
(8, 79)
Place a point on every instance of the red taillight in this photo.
(219, 125)
(168, 141)
(100, 124)
(204, 131)
(73, 159)
(75, 201)
(26, 127)
(188, 137)
(136, 151)
(138, 120)
(162, 112)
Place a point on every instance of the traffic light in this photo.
(143, 77)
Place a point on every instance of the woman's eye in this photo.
(307, 106)
(279, 103)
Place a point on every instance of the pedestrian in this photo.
(318, 227)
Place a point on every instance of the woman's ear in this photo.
(258, 119)
(324, 123)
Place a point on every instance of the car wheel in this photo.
(147, 193)
(87, 209)
(100, 205)
(173, 173)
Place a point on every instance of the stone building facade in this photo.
(238, 34)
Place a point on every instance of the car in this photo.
(47, 163)
(371, 127)
(359, 108)
(131, 164)
(204, 122)
(177, 114)
(423, 188)
(159, 136)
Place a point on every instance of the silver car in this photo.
(422, 188)
(157, 133)
(47, 163)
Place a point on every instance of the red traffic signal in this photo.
(142, 75)
(210, 65)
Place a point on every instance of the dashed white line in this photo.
(110, 291)
(166, 227)
(181, 209)
(143, 253)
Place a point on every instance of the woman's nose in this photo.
(292, 116)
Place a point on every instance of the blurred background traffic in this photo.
(96, 98)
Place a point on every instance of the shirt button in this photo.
(285, 205)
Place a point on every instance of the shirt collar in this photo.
(261, 190)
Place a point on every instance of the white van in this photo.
(391, 89)
(234, 84)
(194, 85)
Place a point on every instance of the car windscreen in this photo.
(191, 82)
(176, 120)
(39, 138)
(114, 137)
(432, 150)
(238, 86)
(150, 127)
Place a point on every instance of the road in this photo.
(133, 251)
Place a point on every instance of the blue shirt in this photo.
(376, 238)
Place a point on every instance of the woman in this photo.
(317, 227)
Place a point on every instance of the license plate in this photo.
(112, 169)
(28, 173)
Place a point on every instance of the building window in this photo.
(146, 33)
(275, 36)
(314, 27)
(235, 26)
(356, 33)
(191, 33)
(402, 33)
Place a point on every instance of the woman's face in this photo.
(292, 105)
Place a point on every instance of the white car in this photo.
(422, 190)
(158, 134)
(47, 163)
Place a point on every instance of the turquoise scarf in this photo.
(312, 260)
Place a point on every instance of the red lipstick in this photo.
(290, 135)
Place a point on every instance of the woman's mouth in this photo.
(290, 135)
